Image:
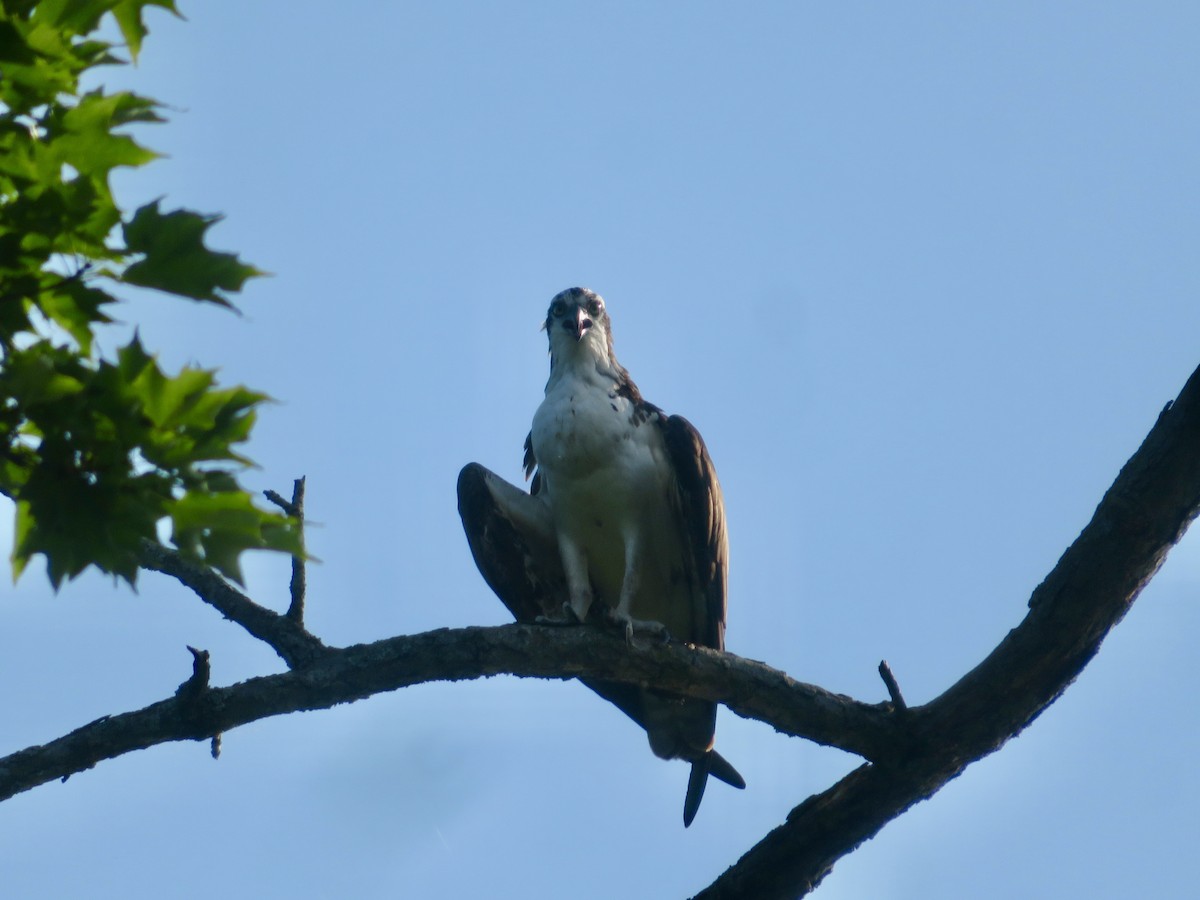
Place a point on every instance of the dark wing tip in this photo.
(471, 489)
(517, 563)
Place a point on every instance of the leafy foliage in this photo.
(97, 452)
(175, 259)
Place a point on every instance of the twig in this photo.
(298, 585)
(289, 508)
(885, 672)
(198, 682)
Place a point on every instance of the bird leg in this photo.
(621, 616)
(579, 587)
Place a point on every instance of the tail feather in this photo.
(714, 764)
(695, 789)
(720, 768)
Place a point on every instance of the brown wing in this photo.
(512, 540)
(703, 510)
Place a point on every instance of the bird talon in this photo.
(633, 627)
(565, 618)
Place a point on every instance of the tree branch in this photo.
(889, 680)
(287, 637)
(1145, 512)
(751, 689)
(298, 586)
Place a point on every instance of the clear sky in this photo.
(922, 274)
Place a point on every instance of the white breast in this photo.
(608, 483)
(584, 427)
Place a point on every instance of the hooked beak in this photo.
(579, 324)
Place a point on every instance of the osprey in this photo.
(624, 523)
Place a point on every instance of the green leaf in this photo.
(166, 400)
(86, 141)
(32, 376)
(176, 259)
(14, 311)
(75, 308)
(218, 528)
(71, 17)
(22, 527)
(13, 48)
(128, 14)
(192, 420)
(76, 520)
(133, 358)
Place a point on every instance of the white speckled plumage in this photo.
(605, 476)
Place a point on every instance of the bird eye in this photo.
(557, 308)
(594, 307)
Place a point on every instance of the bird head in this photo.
(576, 323)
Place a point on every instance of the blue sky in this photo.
(923, 275)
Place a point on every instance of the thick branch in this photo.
(1144, 513)
(287, 637)
(750, 688)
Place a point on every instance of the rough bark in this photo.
(344, 675)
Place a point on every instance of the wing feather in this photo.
(703, 512)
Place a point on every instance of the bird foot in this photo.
(631, 627)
